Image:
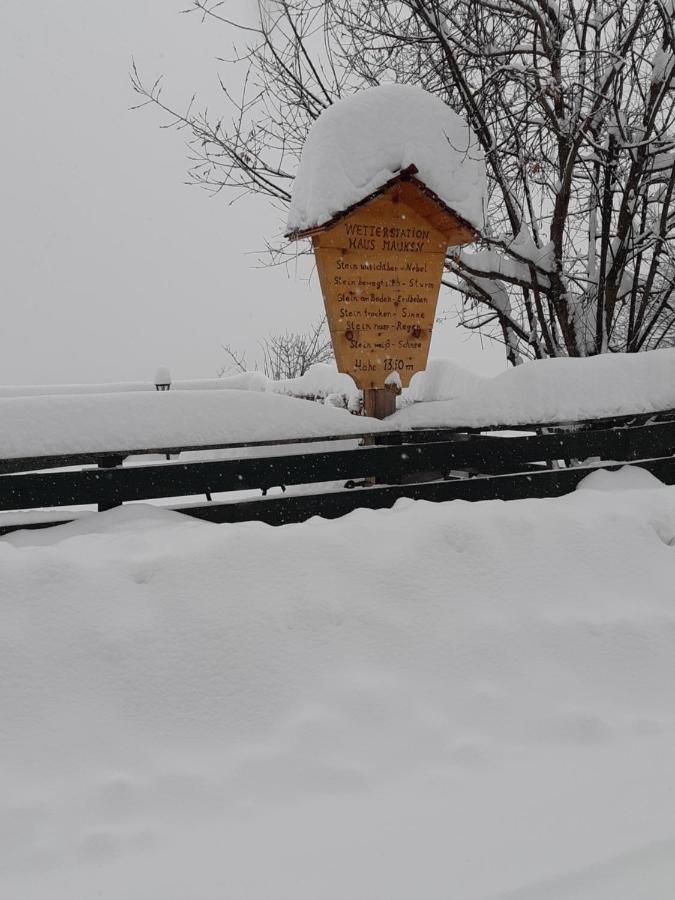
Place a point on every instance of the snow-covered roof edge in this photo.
(365, 139)
(408, 174)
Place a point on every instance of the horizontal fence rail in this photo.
(113, 457)
(431, 464)
(286, 510)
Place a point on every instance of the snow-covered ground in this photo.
(548, 390)
(435, 701)
(86, 423)
(254, 409)
(321, 379)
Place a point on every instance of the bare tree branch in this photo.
(573, 104)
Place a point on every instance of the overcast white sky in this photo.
(109, 264)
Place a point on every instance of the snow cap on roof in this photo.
(360, 143)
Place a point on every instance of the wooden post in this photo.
(109, 462)
(379, 402)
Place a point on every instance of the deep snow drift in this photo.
(359, 143)
(551, 390)
(320, 380)
(435, 701)
(82, 423)
(548, 390)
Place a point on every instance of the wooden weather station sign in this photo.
(380, 264)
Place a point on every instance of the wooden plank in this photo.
(59, 519)
(293, 509)
(416, 435)
(419, 198)
(108, 462)
(380, 272)
(384, 225)
(390, 462)
(332, 505)
(379, 403)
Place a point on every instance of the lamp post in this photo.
(162, 379)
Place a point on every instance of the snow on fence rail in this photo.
(319, 380)
(254, 410)
(548, 390)
(432, 465)
(613, 408)
(249, 408)
(92, 424)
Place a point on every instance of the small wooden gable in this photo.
(405, 188)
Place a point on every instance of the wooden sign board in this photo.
(380, 270)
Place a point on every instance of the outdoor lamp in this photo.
(162, 379)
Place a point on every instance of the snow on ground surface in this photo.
(359, 143)
(40, 426)
(554, 390)
(41, 390)
(550, 390)
(244, 381)
(320, 379)
(435, 701)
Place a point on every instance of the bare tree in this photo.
(286, 355)
(573, 102)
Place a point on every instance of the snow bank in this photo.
(242, 381)
(45, 390)
(627, 478)
(319, 380)
(442, 380)
(44, 426)
(452, 700)
(361, 142)
(551, 390)
(446, 395)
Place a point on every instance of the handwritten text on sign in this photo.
(380, 271)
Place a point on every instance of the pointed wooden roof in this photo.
(407, 188)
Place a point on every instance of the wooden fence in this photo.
(431, 465)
